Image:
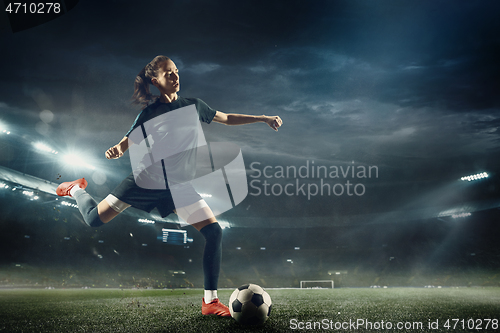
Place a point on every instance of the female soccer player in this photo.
(164, 75)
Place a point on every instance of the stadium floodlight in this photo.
(76, 160)
(477, 176)
(456, 216)
(4, 129)
(45, 148)
(69, 204)
(145, 221)
(28, 193)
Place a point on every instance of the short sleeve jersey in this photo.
(206, 113)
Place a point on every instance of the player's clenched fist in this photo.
(113, 152)
(274, 121)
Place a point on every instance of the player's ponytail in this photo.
(142, 95)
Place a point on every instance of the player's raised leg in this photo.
(93, 213)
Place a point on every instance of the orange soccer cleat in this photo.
(64, 188)
(215, 307)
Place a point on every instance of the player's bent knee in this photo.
(116, 204)
(107, 212)
(212, 232)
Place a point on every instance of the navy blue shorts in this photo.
(147, 200)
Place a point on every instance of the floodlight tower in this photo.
(476, 176)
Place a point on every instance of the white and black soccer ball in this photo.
(250, 304)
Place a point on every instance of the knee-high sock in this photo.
(88, 207)
(212, 255)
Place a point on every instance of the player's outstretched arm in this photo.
(119, 149)
(242, 119)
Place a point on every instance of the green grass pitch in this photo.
(294, 310)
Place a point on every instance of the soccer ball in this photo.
(250, 305)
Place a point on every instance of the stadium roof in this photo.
(42, 185)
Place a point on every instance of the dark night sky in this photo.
(411, 87)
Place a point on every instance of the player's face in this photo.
(167, 80)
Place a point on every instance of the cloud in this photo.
(202, 68)
(398, 85)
